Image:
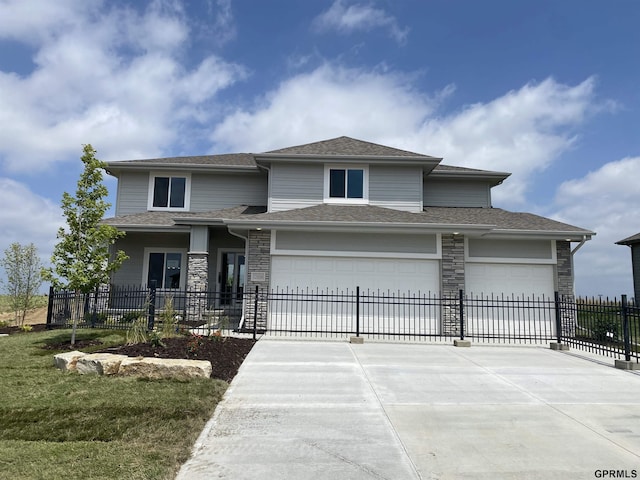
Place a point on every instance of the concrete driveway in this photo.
(328, 410)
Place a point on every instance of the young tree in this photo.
(23, 279)
(82, 260)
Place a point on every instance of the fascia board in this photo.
(152, 229)
(495, 176)
(359, 226)
(372, 159)
(198, 221)
(540, 234)
(114, 168)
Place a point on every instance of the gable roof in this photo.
(347, 146)
(633, 239)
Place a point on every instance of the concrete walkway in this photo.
(324, 410)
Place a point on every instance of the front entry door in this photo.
(232, 278)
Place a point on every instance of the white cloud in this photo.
(328, 102)
(522, 132)
(113, 78)
(605, 201)
(345, 18)
(27, 218)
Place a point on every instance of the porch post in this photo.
(258, 276)
(197, 272)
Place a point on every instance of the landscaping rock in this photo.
(100, 363)
(67, 361)
(156, 368)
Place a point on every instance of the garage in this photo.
(341, 273)
(520, 280)
(529, 285)
(379, 280)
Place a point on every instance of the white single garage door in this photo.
(342, 273)
(485, 279)
(530, 315)
(336, 313)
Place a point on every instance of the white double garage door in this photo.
(407, 275)
(402, 276)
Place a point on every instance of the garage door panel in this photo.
(349, 272)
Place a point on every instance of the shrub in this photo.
(131, 316)
(605, 330)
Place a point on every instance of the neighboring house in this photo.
(333, 214)
(634, 243)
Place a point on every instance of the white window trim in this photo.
(183, 265)
(352, 201)
(187, 191)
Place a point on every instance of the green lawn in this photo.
(63, 425)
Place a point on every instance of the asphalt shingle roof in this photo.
(497, 218)
(347, 146)
(630, 240)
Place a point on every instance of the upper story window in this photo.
(346, 184)
(169, 192)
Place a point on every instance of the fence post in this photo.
(357, 311)
(255, 314)
(625, 327)
(152, 304)
(50, 307)
(461, 307)
(558, 318)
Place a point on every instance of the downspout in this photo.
(246, 259)
(573, 252)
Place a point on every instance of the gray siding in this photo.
(218, 191)
(492, 248)
(635, 264)
(296, 186)
(397, 188)
(356, 242)
(134, 244)
(456, 193)
(133, 188)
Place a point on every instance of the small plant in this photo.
(131, 316)
(169, 320)
(4, 323)
(193, 344)
(26, 328)
(137, 332)
(156, 340)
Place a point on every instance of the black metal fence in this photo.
(601, 326)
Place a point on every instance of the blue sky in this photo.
(548, 90)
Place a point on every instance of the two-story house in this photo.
(332, 214)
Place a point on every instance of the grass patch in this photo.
(61, 425)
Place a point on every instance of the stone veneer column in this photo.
(197, 285)
(258, 274)
(452, 281)
(564, 275)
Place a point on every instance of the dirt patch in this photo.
(33, 317)
(41, 327)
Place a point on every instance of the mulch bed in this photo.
(226, 354)
(41, 327)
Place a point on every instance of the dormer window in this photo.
(347, 184)
(169, 192)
